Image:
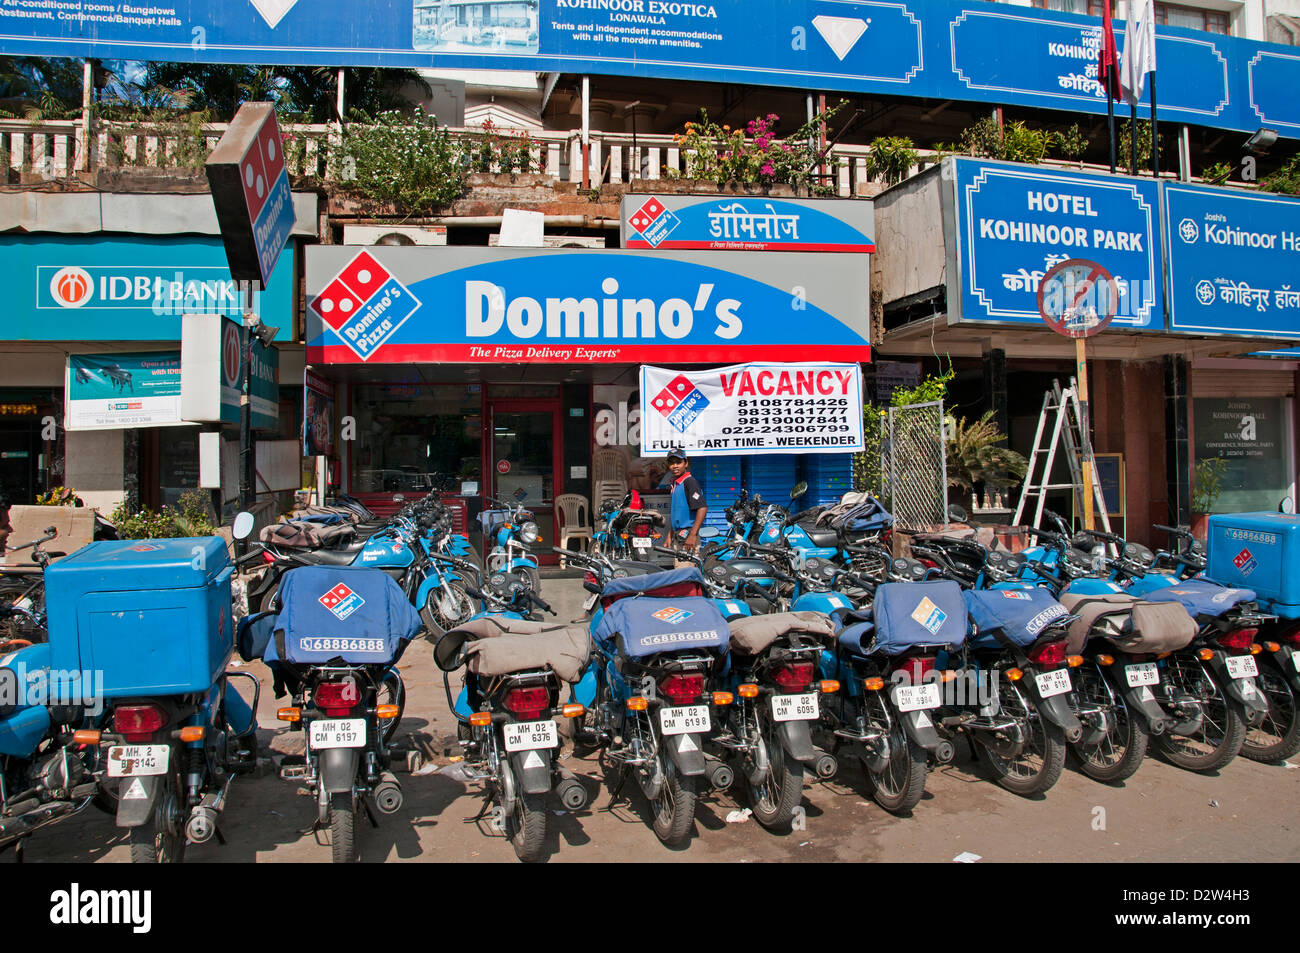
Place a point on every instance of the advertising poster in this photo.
(119, 391)
(752, 408)
(317, 416)
(1252, 436)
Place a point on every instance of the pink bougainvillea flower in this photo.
(768, 169)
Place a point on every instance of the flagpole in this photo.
(1133, 130)
(1110, 125)
(1155, 130)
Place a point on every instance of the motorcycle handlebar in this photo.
(250, 555)
(755, 587)
(538, 601)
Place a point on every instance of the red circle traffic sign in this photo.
(1078, 298)
(503, 466)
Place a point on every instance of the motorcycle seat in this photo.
(328, 557)
(821, 536)
(498, 645)
(857, 638)
(752, 634)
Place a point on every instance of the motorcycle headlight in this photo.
(528, 532)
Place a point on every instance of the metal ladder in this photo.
(1067, 431)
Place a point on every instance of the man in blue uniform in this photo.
(687, 507)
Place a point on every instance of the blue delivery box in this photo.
(152, 615)
(1259, 551)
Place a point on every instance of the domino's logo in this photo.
(365, 305)
(929, 616)
(342, 601)
(681, 402)
(672, 615)
(1245, 562)
(653, 222)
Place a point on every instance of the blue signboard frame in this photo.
(939, 49)
(1014, 222)
(1230, 255)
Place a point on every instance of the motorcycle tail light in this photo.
(137, 723)
(916, 668)
(794, 676)
(1053, 653)
(682, 689)
(527, 704)
(337, 698)
(1292, 635)
(589, 579)
(641, 529)
(1239, 639)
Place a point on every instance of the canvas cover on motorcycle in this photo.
(305, 535)
(907, 615)
(1202, 597)
(752, 634)
(1131, 624)
(643, 625)
(352, 614)
(668, 584)
(1020, 614)
(497, 645)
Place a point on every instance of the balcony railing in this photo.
(59, 149)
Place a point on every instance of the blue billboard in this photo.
(1014, 223)
(72, 288)
(1232, 262)
(941, 49)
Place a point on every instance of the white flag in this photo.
(1139, 57)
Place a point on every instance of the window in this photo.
(408, 435)
(1190, 18)
(1092, 8)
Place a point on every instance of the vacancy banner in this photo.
(752, 408)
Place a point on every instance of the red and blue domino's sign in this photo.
(365, 305)
(265, 181)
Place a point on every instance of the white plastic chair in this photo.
(574, 513)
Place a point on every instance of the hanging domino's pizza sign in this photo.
(561, 306)
(747, 224)
(750, 408)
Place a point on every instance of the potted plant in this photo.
(1207, 484)
(977, 454)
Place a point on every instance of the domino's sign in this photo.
(739, 223)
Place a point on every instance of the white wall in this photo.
(93, 466)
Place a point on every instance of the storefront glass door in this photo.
(524, 458)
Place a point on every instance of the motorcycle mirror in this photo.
(799, 489)
(709, 532)
(1287, 505)
(956, 514)
(399, 498)
(243, 525)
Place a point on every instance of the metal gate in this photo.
(914, 465)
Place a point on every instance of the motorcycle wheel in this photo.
(526, 827)
(161, 840)
(1041, 759)
(1222, 730)
(1278, 737)
(443, 611)
(674, 808)
(534, 579)
(774, 801)
(899, 784)
(269, 599)
(343, 820)
(392, 691)
(1120, 753)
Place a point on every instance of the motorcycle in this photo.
(508, 705)
(334, 645)
(511, 530)
(628, 531)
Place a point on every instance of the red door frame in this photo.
(527, 405)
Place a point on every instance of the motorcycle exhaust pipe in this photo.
(943, 752)
(388, 794)
(570, 791)
(201, 825)
(720, 774)
(826, 766)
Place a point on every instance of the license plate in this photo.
(1143, 673)
(1053, 683)
(688, 719)
(133, 761)
(530, 735)
(916, 697)
(591, 601)
(795, 707)
(338, 733)
(1295, 660)
(1242, 666)
(640, 542)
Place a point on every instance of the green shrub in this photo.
(401, 158)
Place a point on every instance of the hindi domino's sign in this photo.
(747, 224)
(752, 408)
(250, 188)
(395, 305)
(1014, 224)
(1232, 262)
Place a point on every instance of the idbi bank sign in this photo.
(560, 306)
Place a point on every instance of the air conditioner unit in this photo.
(394, 235)
(561, 241)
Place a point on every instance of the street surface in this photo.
(1166, 814)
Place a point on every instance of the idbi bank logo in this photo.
(71, 287)
(196, 290)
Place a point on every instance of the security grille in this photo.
(914, 465)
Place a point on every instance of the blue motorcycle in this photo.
(334, 646)
(506, 710)
(509, 531)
